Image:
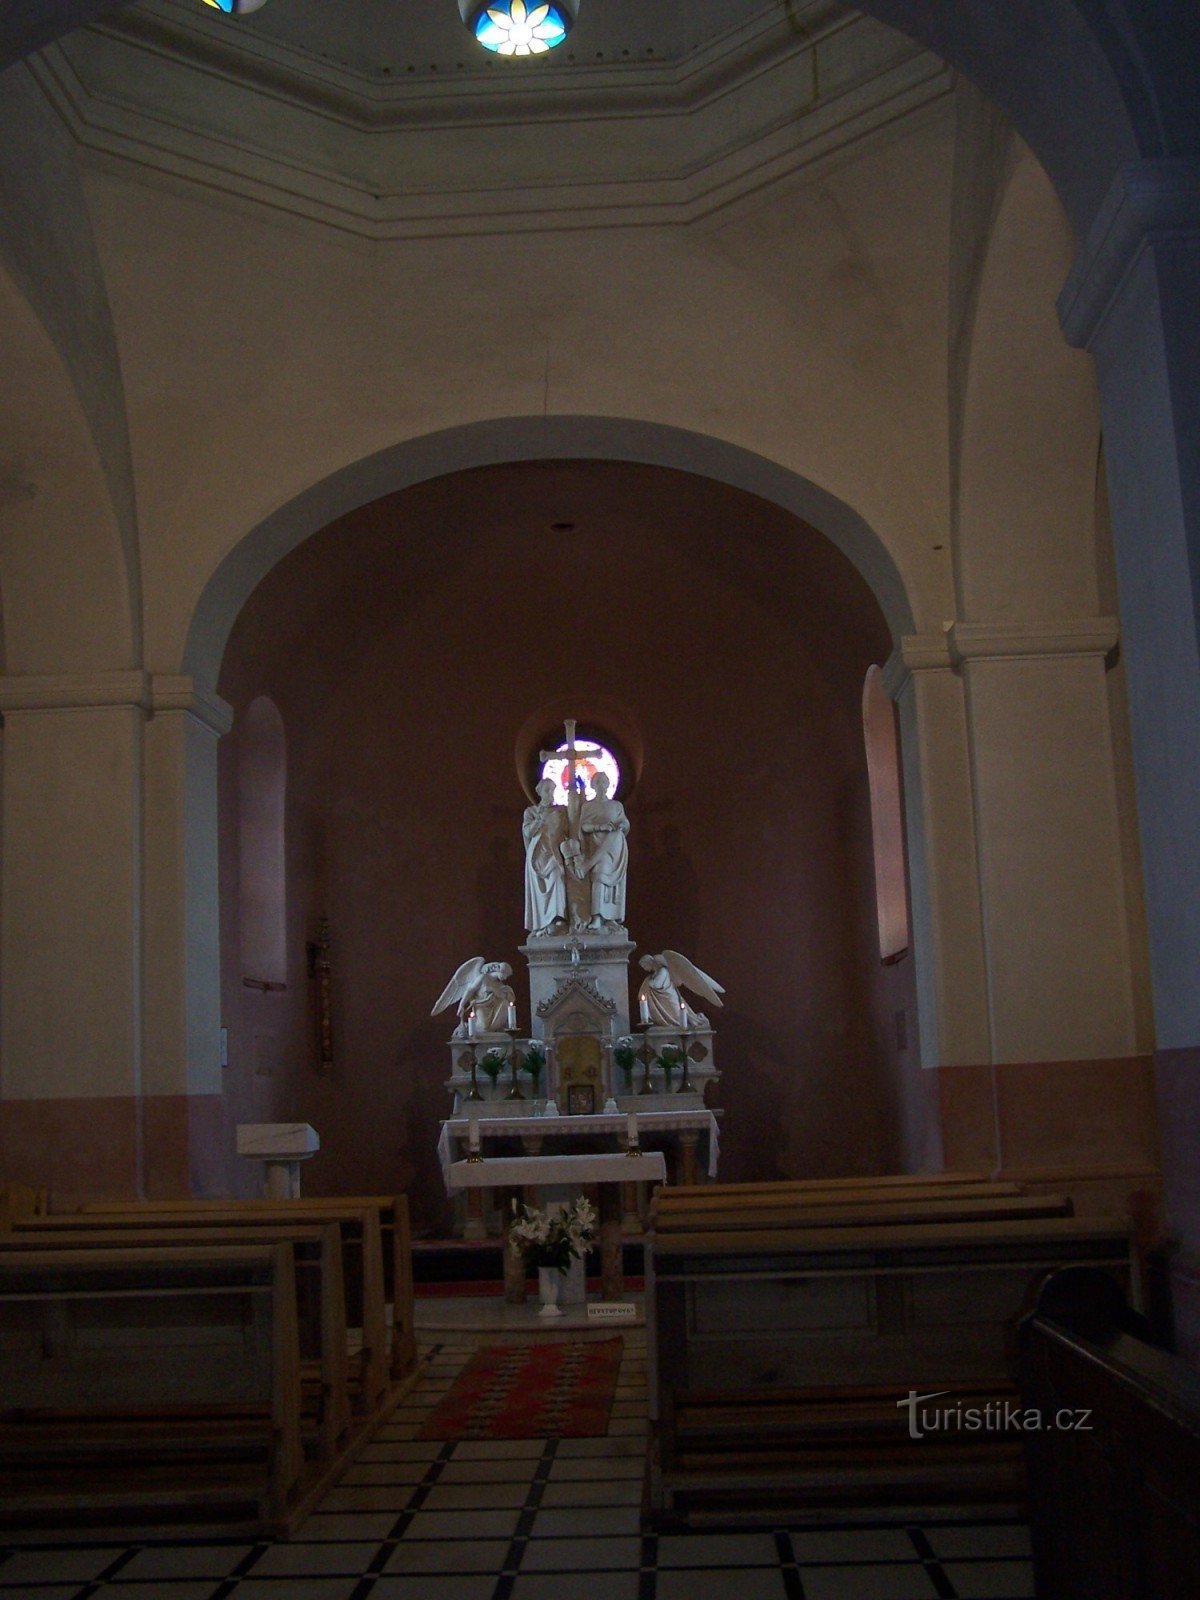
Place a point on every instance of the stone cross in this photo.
(572, 754)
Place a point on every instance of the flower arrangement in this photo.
(626, 1057)
(669, 1058)
(552, 1238)
(493, 1065)
(534, 1062)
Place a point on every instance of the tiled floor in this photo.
(527, 1520)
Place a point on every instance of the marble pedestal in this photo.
(592, 966)
(281, 1147)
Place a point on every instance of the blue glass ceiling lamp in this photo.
(236, 8)
(518, 28)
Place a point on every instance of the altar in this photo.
(597, 1070)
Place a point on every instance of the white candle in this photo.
(471, 1023)
(631, 1133)
(512, 1016)
(644, 1008)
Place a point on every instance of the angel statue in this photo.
(659, 999)
(480, 991)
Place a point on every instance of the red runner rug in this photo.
(559, 1390)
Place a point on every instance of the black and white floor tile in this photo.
(527, 1520)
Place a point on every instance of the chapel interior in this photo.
(775, 390)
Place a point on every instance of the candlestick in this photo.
(514, 1093)
(474, 1093)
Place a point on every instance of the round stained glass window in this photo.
(236, 8)
(513, 28)
(592, 758)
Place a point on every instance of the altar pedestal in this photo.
(281, 1147)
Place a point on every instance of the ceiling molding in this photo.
(387, 161)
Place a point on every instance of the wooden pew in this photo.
(20, 1200)
(1114, 1472)
(394, 1220)
(717, 1197)
(779, 1353)
(866, 1185)
(361, 1253)
(667, 1219)
(159, 1386)
(321, 1303)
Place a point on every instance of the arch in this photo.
(512, 439)
(1027, 414)
(66, 473)
(57, 514)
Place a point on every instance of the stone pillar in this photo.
(186, 1132)
(1049, 855)
(474, 1227)
(71, 940)
(1133, 300)
(947, 921)
(612, 1275)
(631, 1217)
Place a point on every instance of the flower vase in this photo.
(572, 1291)
(549, 1280)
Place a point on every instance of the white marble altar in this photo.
(498, 1172)
(657, 1060)
(533, 1131)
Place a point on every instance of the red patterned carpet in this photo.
(539, 1390)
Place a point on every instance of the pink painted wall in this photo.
(408, 645)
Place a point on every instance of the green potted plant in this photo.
(669, 1057)
(626, 1058)
(493, 1065)
(534, 1063)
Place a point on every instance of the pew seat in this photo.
(780, 1337)
(157, 1387)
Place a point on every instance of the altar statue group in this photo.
(576, 864)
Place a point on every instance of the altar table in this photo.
(609, 1169)
(614, 1124)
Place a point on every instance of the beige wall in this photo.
(870, 318)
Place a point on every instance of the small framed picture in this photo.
(581, 1100)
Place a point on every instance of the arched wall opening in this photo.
(409, 646)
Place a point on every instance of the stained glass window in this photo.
(237, 8)
(512, 28)
(593, 757)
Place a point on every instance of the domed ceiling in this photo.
(392, 37)
(384, 118)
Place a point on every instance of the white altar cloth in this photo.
(701, 1121)
(497, 1172)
